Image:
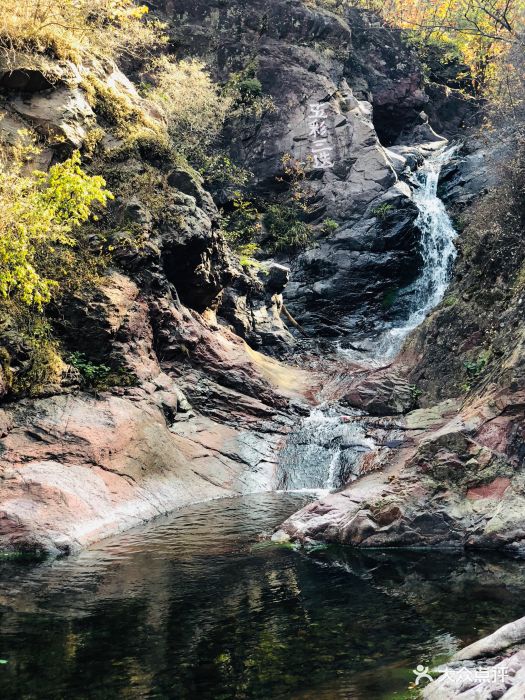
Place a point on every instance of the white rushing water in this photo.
(438, 252)
(325, 452)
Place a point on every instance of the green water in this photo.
(194, 606)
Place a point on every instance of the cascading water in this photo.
(438, 252)
(325, 453)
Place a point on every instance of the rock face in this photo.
(490, 676)
(370, 90)
(191, 412)
(454, 480)
(76, 467)
(197, 412)
(197, 415)
(63, 113)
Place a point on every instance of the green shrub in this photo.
(92, 374)
(247, 260)
(382, 211)
(415, 393)
(152, 147)
(241, 229)
(92, 141)
(99, 376)
(115, 108)
(329, 226)
(245, 92)
(220, 172)
(249, 89)
(288, 232)
(39, 218)
(28, 337)
(474, 368)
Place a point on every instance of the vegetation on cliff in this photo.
(40, 226)
(58, 235)
(175, 114)
(42, 29)
(479, 36)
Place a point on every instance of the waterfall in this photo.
(438, 253)
(325, 453)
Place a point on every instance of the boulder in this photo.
(505, 680)
(501, 639)
(61, 114)
(382, 394)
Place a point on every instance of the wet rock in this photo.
(372, 90)
(471, 173)
(382, 395)
(432, 417)
(441, 489)
(505, 679)
(501, 639)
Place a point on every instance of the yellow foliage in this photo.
(38, 219)
(193, 105)
(480, 32)
(72, 29)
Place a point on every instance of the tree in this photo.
(480, 32)
(39, 217)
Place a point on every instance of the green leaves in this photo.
(242, 228)
(92, 374)
(286, 227)
(39, 216)
(69, 193)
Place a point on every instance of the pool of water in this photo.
(197, 606)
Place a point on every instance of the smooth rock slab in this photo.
(75, 469)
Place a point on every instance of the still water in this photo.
(196, 606)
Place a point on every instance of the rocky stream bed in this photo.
(360, 401)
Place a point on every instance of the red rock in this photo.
(495, 434)
(495, 489)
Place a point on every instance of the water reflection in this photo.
(188, 608)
